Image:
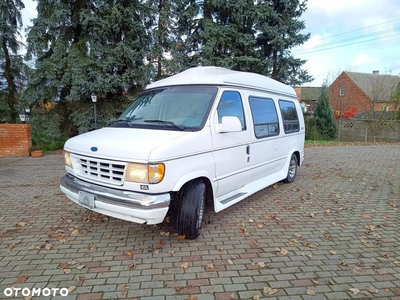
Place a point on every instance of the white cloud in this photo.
(362, 59)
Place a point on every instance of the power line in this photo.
(362, 28)
(350, 44)
(343, 41)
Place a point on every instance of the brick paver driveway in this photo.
(332, 234)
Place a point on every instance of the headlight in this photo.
(143, 173)
(67, 159)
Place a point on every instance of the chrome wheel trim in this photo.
(292, 168)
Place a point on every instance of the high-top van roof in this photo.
(222, 76)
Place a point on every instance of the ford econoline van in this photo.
(206, 134)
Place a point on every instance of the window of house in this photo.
(341, 91)
(385, 108)
(289, 115)
(265, 117)
(231, 105)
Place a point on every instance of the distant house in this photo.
(354, 93)
(309, 96)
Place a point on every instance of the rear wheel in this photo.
(292, 171)
(191, 209)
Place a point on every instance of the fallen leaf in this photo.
(315, 281)
(251, 221)
(81, 279)
(332, 252)
(156, 251)
(256, 297)
(20, 224)
(327, 211)
(22, 279)
(260, 225)
(355, 291)
(210, 266)
(67, 271)
(132, 267)
(80, 267)
(221, 249)
(71, 288)
(331, 281)
(91, 247)
(229, 261)
(367, 217)
(163, 233)
(11, 246)
(283, 251)
(48, 246)
(171, 251)
(185, 265)
(392, 204)
(253, 244)
(160, 244)
(397, 262)
(310, 292)
(342, 263)
(267, 291)
(312, 214)
(63, 266)
(232, 296)
(191, 298)
(181, 237)
(334, 223)
(261, 264)
(372, 290)
(28, 298)
(124, 293)
(385, 255)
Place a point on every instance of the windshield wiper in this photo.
(126, 121)
(166, 123)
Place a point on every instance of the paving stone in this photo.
(323, 177)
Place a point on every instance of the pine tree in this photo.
(87, 46)
(11, 64)
(323, 115)
(279, 30)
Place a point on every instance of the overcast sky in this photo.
(357, 35)
(369, 28)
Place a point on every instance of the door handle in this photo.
(248, 150)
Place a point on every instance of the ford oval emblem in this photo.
(94, 149)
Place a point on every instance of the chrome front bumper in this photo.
(126, 205)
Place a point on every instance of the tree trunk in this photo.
(11, 95)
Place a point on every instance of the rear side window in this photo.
(231, 105)
(289, 116)
(265, 117)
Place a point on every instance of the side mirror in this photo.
(230, 124)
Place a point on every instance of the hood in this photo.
(125, 144)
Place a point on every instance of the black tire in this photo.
(292, 171)
(191, 209)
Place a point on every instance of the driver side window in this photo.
(231, 105)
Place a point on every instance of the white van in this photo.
(206, 134)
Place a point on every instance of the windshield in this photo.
(176, 108)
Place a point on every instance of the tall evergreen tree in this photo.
(323, 115)
(84, 46)
(279, 30)
(11, 65)
(159, 26)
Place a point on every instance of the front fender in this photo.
(193, 175)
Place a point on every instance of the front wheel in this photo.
(292, 171)
(191, 209)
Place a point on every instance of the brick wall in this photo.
(15, 139)
(353, 96)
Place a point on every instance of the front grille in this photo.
(111, 172)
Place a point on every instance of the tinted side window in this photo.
(231, 105)
(289, 116)
(265, 117)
